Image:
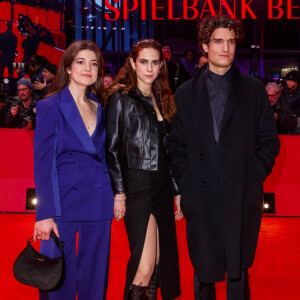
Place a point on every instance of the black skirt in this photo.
(150, 192)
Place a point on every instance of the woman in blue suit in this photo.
(71, 176)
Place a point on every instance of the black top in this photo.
(217, 86)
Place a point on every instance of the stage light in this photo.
(269, 203)
(30, 199)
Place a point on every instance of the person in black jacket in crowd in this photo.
(293, 93)
(139, 106)
(293, 96)
(179, 72)
(173, 68)
(30, 44)
(36, 65)
(187, 66)
(284, 116)
(8, 46)
(48, 73)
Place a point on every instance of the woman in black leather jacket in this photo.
(139, 105)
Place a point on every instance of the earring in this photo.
(69, 79)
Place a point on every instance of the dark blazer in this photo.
(71, 175)
(221, 188)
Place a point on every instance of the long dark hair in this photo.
(127, 79)
(62, 77)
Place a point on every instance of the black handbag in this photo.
(37, 270)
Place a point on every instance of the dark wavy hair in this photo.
(208, 25)
(127, 79)
(62, 77)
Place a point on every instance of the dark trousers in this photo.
(237, 289)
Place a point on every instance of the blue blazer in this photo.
(70, 172)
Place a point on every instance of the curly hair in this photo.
(126, 79)
(62, 77)
(208, 25)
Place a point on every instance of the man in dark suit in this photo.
(222, 146)
(8, 46)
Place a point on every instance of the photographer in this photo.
(21, 113)
(30, 44)
(48, 73)
(34, 68)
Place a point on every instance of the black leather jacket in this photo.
(140, 150)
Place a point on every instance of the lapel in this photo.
(202, 113)
(234, 95)
(146, 101)
(72, 115)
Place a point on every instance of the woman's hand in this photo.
(43, 228)
(178, 212)
(119, 206)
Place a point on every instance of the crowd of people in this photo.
(20, 111)
(35, 73)
(128, 148)
(284, 96)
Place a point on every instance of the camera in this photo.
(24, 121)
(19, 65)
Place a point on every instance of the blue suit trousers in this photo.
(86, 270)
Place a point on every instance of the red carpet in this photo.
(275, 274)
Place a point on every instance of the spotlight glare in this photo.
(266, 205)
(34, 201)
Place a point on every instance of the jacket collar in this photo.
(201, 106)
(137, 94)
(73, 117)
(201, 111)
(234, 95)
